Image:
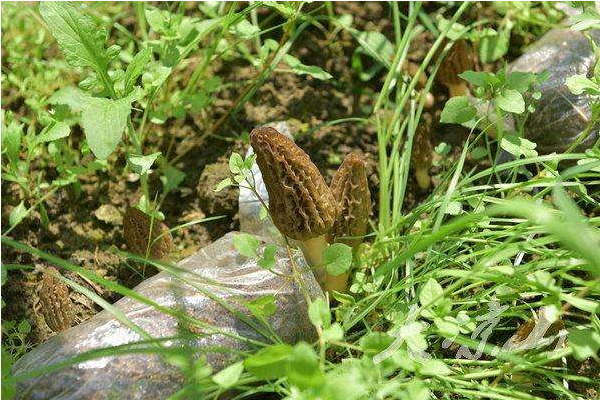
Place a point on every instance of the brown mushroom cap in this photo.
(460, 58)
(349, 186)
(421, 155)
(56, 307)
(136, 230)
(300, 202)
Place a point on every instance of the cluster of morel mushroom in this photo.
(304, 208)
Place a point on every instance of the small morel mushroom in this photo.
(300, 202)
(136, 230)
(350, 187)
(421, 156)
(459, 59)
(56, 307)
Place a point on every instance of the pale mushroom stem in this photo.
(313, 250)
(423, 178)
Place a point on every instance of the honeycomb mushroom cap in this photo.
(422, 149)
(350, 187)
(460, 58)
(56, 307)
(136, 230)
(300, 202)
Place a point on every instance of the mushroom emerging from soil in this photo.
(300, 202)
(56, 307)
(350, 187)
(459, 59)
(141, 239)
(421, 156)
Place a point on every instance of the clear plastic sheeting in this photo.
(560, 115)
(215, 275)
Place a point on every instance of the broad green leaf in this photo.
(223, 184)
(376, 45)
(579, 84)
(520, 81)
(458, 110)
(57, 131)
(236, 163)
(584, 342)
(71, 96)
(103, 121)
(318, 313)
(337, 258)
(511, 100)
(263, 307)
(246, 244)
(518, 146)
(493, 45)
(270, 362)
(430, 291)
(301, 69)
(17, 214)
(417, 390)
(77, 35)
(11, 141)
(244, 29)
(172, 178)
(302, 368)
(155, 75)
(454, 32)
(229, 376)
(454, 208)
(142, 164)
(479, 78)
(434, 368)
(333, 333)
(24, 327)
(136, 67)
(268, 261)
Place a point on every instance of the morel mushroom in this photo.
(459, 59)
(350, 187)
(300, 202)
(421, 156)
(56, 307)
(146, 236)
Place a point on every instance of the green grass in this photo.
(483, 235)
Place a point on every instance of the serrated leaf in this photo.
(236, 163)
(80, 39)
(337, 258)
(229, 376)
(142, 164)
(301, 69)
(136, 67)
(103, 121)
(458, 110)
(511, 100)
(246, 244)
(17, 214)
